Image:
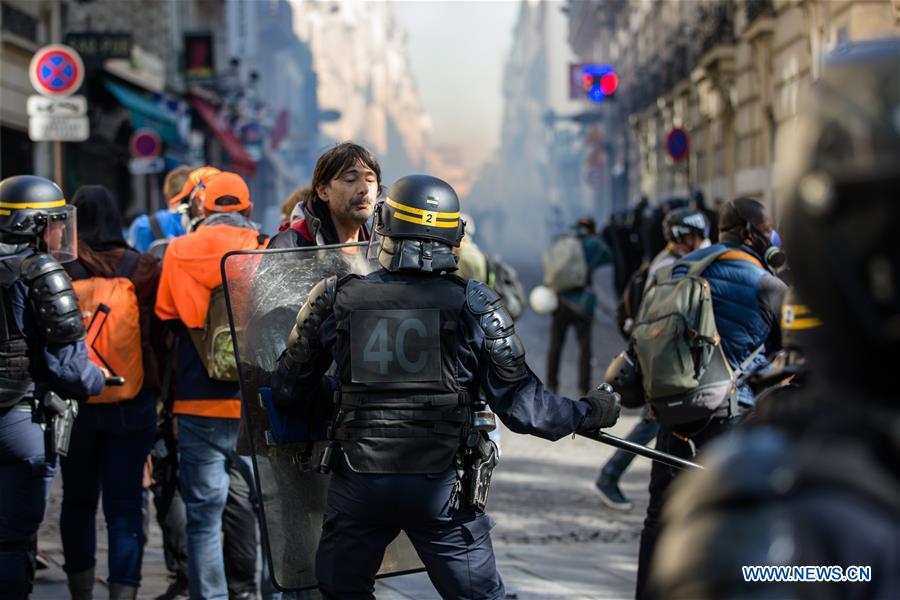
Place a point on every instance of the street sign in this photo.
(56, 71)
(677, 144)
(98, 46)
(145, 143)
(58, 129)
(146, 165)
(69, 106)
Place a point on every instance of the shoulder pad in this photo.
(39, 264)
(505, 349)
(480, 298)
(53, 299)
(321, 296)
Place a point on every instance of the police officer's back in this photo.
(817, 483)
(412, 344)
(41, 350)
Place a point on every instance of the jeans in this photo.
(109, 446)
(644, 431)
(25, 478)
(206, 453)
(563, 317)
(661, 477)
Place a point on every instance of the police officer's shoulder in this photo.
(54, 299)
(39, 264)
(480, 298)
(322, 295)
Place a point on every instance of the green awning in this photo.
(146, 113)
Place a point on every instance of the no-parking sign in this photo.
(677, 144)
(56, 71)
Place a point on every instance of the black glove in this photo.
(605, 407)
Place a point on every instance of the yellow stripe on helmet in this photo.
(796, 317)
(419, 211)
(20, 205)
(427, 220)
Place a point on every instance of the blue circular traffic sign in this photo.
(677, 144)
(56, 70)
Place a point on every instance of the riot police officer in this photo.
(41, 352)
(412, 343)
(817, 482)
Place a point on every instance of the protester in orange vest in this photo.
(207, 396)
(114, 431)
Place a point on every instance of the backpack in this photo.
(112, 321)
(505, 281)
(565, 265)
(686, 374)
(214, 343)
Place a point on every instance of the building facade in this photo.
(731, 73)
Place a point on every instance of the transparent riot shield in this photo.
(265, 289)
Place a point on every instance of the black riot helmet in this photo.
(34, 208)
(840, 212)
(418, 225)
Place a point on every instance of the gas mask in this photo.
(773, 254)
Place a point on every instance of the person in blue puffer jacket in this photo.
(747, 299)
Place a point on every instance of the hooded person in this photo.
(114, 432)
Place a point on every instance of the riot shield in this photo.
(265, 289)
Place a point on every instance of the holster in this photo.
(59, 416)
(479, 470)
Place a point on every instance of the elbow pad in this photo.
(53, 299)
(505, 349)
(319, 305)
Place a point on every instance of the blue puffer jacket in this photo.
(734, 282)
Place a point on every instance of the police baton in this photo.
(114, 381)
(640, 450)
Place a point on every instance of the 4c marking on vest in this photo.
(395, 346)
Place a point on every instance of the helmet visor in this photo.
(61, 234)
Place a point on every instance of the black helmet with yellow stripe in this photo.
(421, 207)
(419, 224)
(34, 207)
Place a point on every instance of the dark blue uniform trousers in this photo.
(366, 512)
(25, 479)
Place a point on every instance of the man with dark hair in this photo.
(746, 299)
(345, 184)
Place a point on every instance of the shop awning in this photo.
(241, 160)
(146, 113)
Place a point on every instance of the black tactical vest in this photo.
(401, 407)
(15, 378)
